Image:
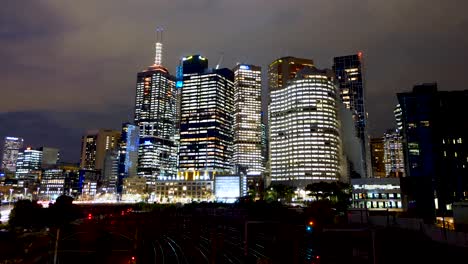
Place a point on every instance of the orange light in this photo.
(311, 223)
(360, 54)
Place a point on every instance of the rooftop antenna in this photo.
(158, 46)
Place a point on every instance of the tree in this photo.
(64, 211)
(279, 191)
(339, 193)
(26, 214)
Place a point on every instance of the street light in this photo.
(11, 197)
(25, 191)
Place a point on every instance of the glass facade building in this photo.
(304, 130)
(28, 164)
(206, 121)
(247, 155)
(435, 148)
(350, 79)
(128, 153)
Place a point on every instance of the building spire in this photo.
(158, 46)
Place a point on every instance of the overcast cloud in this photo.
(72, 64)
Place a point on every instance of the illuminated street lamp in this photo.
(11, 197)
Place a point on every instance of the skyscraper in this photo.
(11, 149)
(94, 146)
(284, 69)
(206, 120)
(435, 147)
(155, 115)
(247, 155)
(128, 153)
(393, 154)
(305, 139)
(280, 71)
(377, 157)
(349, 75)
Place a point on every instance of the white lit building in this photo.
(247, 154)
(228, 188)
(305, 139)
(206, 121)
(155, 115)
(377, 194)
(393, 154)
(11, 149)
(52, 183)
(28, 164)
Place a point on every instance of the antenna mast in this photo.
(158, 46)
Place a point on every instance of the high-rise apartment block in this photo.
(94, 146)
(247, 147)
(11, 149)
(350, 79)
(435, 146)
(304, 130)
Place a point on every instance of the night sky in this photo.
(67, 66)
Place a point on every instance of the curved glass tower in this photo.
(305, 140)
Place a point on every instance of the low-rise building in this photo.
(377, 194)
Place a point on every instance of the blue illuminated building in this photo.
(435, 148)
(128, 153)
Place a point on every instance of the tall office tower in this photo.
(284, 69)
(110, 171)
(349, 75)
(94, 146)
(377, 157)
(247, 147)
(128, 153)
(305, 140)
(28, 164)
(155, 115)
(11, 148)
(393, 154)
(206, 120)
(50, 157)
(435, 147)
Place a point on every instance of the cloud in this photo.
(82, 56)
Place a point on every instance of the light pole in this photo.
(11, 197)
(25, 191)
(37, 192)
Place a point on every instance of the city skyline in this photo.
(409, 50)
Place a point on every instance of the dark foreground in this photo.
(198, 234)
